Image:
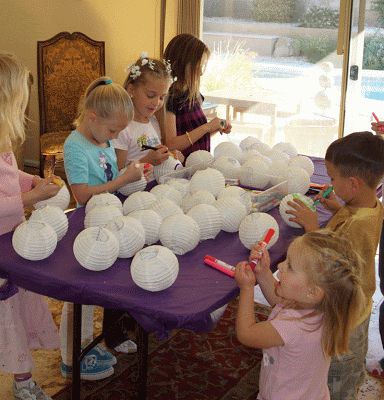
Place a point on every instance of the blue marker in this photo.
(325, 194)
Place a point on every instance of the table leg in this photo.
(76, 352)
(142, 362)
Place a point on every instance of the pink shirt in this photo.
(12, 183)
(297, 370)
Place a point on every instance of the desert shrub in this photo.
(320, 17)
(273, 10)
(315, 48)
(373, 56)
(230, 67)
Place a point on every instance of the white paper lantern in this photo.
(254, 227)
(199, 197)
(279, 171)
(209, 179)
(96, 248)
(166, 208)
(278, 156)
(180, 233)
(238, 193)
(132, 187)
(232, 211)
(284, 207)
(261, 147)
(130, 234)
(53, 216)
(298, 180)
(228, 166)
(227, 149)
(61, 199)
(208, 218)
(151, 222)
(34, 240)
(199, 159)
(287, 148)
(255, 174)
(180, 184)
(154, 268)
(249, 155)
(248, 142)
(164, 191)
(303, 162)
(139, 201)
(101, 215)
(103, 199)
(167, 166)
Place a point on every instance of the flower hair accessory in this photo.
(135, 69)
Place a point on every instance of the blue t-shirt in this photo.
(86, 163)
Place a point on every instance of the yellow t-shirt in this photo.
(362, 226)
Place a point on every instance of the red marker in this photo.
(220, 265)
(375, 116)
(264, 243)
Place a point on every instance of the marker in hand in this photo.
(325, 194)
(146, 147)
(375, 116)
(267, 238)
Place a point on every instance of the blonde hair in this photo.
(333, 265)
(13, 101)
(105, 98)
(185, 53)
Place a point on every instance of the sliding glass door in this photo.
(276, 69)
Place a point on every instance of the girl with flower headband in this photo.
(187, 128)
(147, 84)
(91, 168)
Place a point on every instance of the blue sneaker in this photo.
(90, 369)
(103, 356)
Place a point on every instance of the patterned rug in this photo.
(187, 366)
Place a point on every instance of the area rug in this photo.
(205, 366)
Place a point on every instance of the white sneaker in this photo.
(126, 347)
(33, 392)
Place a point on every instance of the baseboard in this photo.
(32, 163)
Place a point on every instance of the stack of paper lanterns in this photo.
(154, 268)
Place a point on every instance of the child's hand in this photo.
(178, 155)
(244, 276)
(227, 128)
(45, 188)
(216, 125)
(260, 254)
(330, 203)
(303, 215)
(156, 157)
(132, 173)
(148, 171)
(378, 127)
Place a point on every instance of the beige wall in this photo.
(128, 27)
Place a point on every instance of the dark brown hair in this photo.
(185, 53)
(359, 154)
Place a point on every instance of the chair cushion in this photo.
(53, 142)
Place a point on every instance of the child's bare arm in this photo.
(249, 332)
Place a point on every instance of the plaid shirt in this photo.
(188, 119)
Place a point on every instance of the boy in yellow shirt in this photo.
(355, 164)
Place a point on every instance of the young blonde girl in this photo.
(186, 127)
(317, 302)
(91, 168)
(25, 321)
(147, 84)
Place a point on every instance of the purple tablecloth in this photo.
(197, 291)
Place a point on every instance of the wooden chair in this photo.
(66, 64)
